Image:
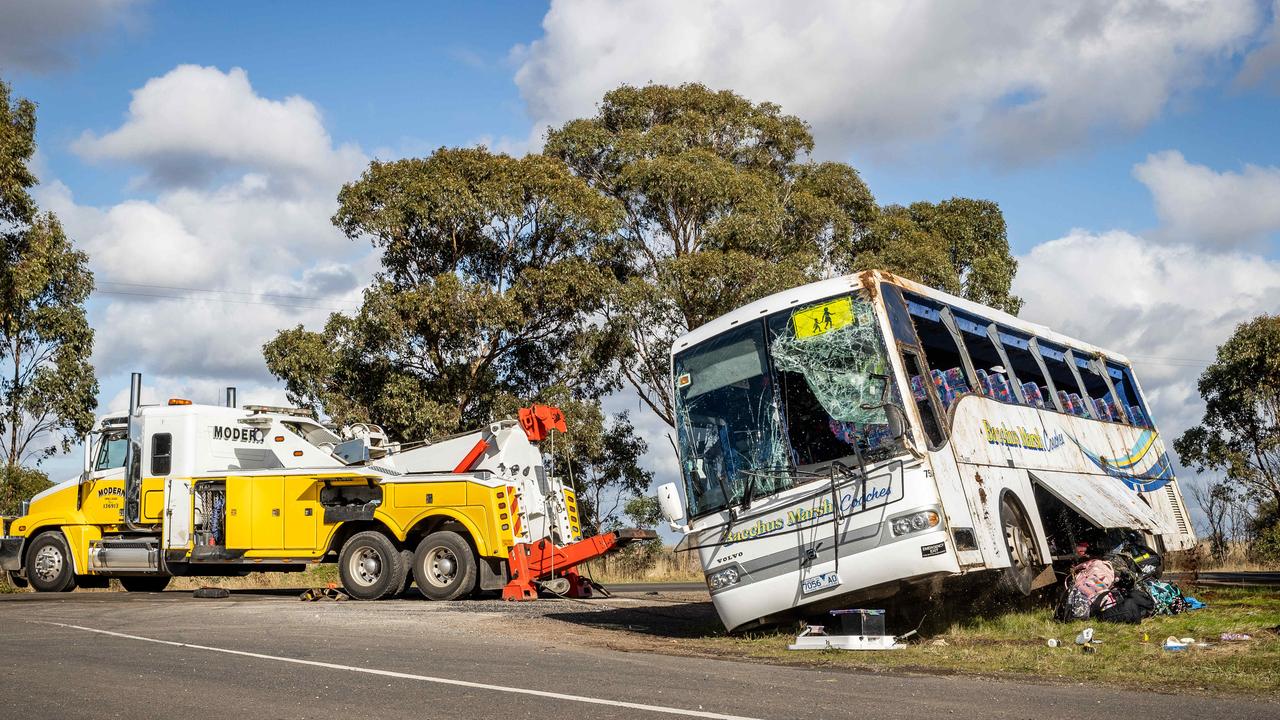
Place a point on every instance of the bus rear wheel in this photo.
(145, 583)
(370, 566)
(1025, 562)
(49, 567)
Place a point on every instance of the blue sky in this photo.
(1131, 145)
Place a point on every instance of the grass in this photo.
(1014, 644)
(665, 566)
(1237, 559)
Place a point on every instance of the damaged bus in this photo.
(860, 436)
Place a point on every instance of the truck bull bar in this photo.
(532, 564)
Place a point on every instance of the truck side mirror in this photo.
(669, 503)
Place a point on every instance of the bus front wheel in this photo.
(1020, 542)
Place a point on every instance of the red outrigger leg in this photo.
(531, 563)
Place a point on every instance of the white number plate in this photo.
(819, 582)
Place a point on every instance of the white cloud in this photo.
(235, 245)
(1167, 307)
(1199, 205)
(1261, 65)
(1022, 80)
(193, 124)
(43, 35)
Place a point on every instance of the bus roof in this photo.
(870, 279)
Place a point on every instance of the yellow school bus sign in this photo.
(824, 317)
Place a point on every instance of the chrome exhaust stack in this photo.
(132, 462)
(231, 397)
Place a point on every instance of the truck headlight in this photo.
(915, 522)
(724, 578)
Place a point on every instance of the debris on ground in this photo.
(331, 592)
(211, 593)
(1121, 586)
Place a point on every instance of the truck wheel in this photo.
(444, 566)
(145, 583)
(1024, 552)
(406, 559)
(49, 567)
(370, 566)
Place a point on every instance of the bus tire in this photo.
(1025, 562)
(49, 565)
(145, 583)
(406, 559)
(370, 566)
(444, 566)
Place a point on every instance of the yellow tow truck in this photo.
(188, 489)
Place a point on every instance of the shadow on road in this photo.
(677, 620)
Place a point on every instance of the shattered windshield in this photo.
(727, 420)
(769, 404)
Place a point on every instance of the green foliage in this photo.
(599, 454)
(1239, 434)
(47, 386)
(491, 269)
(17, 144)
(18, 484)
(721, 206)
(1266, 546)
(958, 245)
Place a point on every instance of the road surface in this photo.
(257, 655)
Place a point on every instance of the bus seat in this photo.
(1078, 405)
(1032, 393)
(955, 378)
(917, 388)
(944, 388)
(1000, 387)
(1065, 400)
(984, 382)
(1116, 414)
(1139, 417)
(1102, 409)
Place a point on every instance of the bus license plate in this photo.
(819, 582)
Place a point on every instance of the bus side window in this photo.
(161, 453)
(1100, 400)
(919, 391)
(1026, 369)
(1128, 390)
(941, 353)
(1064, 382)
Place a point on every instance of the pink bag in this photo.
(1091, 578)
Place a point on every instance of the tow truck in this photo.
(189, 489)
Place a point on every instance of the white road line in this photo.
(411, 676)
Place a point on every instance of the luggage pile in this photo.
(1124, 586)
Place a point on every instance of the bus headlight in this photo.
(915, 522)
(722, 579)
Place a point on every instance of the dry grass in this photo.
(1236, 560)
(668, 566)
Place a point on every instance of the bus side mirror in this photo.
(897, 420)
(670, 505)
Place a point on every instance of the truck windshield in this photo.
(773, 403)
(111, 453)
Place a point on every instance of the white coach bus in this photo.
(848, 439)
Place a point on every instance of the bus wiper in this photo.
(749, 491)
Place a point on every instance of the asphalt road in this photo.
(116, 655)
